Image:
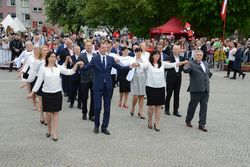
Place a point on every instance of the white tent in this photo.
(7, 21)
(17, 25)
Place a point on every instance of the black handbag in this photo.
(26, 75)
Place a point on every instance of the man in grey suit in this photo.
(199, 89)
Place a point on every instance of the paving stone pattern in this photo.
(226, 144)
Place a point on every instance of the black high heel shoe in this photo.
(156, 128)
(139, 115)
(150, 127)
(48, 134)
(55, 139)
(132, 114)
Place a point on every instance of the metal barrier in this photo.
(5, 56)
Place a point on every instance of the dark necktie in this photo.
(103, 62)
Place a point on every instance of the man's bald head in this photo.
(176, 50)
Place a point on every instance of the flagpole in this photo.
(224, 29)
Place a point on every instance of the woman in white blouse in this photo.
(52, 90)
(124, 87)
(155, 86)
(22, 59)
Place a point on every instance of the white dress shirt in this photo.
(203, 66)
(89, 56)
(177, 60)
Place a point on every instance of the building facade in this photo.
(30, 12)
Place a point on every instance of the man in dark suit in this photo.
(16, 47)
(102, 86)
(68, 51)
(87, 77)
(173, 80)
(75, 80)
(159, 48)
(199, 89)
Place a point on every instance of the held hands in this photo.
(80, 64)
(134, 65)
(30, 95)
(185, 62)
(182, 63)
(68, 60)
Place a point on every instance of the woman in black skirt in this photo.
(52, 90)
(155, 86)
(124, 87)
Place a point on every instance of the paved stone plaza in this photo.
(226, 144)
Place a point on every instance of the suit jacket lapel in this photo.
(85, 58)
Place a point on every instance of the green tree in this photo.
(204, 16)
(137, 15)
(66, 13)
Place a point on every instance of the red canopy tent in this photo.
(174, 26)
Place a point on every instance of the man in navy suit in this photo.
(102, 86)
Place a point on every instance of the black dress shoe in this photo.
(243, 76)
(79, 106)
(157, 130)
(167, 112)
(232, 78)
(48, 134)
(177, 114)
(96, 130)
(42, 122)
(202, 128)
(84, 117)
(106, 131)
(189, 125)
(92, 118)
(71, 106)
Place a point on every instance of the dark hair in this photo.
(101, 42)
(235, 44)
(138, 50)
(151, 60)
(47, 57)
(124, 48)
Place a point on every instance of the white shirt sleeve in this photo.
(34, 68)
(26, 65)
(39, 80)
(18, 60)
(65, 71)
(169, 65)
(143, 65)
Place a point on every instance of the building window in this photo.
(11, 2)
(13, 15)
(37, 9)
(26, 16)
(25, 3)
(1, 2)
(40, 23)
(1, 16)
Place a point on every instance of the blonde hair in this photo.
(40, 52)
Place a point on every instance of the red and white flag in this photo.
(223, 12)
